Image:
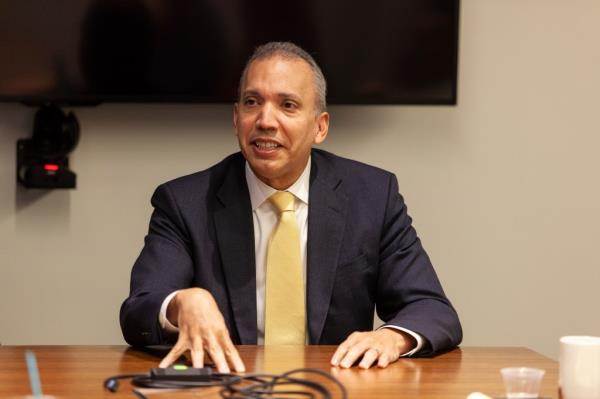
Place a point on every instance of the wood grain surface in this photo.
(79, 371)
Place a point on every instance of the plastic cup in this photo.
(522, 382)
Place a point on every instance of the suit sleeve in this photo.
(409, 293)
(163, 266)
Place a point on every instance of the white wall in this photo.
(503, 187)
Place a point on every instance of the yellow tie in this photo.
(285, 308)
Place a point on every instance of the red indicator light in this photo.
(51, 167)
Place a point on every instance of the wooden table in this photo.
(78, 371)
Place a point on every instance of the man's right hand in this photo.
(201, 330)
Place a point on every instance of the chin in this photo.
(266, 171)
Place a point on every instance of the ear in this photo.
(235, 117)
(322, 127)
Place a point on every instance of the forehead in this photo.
(277, 74)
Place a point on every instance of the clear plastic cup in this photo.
(522, 382)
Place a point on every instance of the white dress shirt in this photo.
(265, 217)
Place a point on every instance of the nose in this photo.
(267, 118)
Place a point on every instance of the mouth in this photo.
(265, 145)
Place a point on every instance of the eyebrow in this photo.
(250, 93)
(280, 95)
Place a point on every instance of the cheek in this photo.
(243, 129)
(308, 136)
(302, 134)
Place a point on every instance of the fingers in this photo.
(197, 353)
(349, 350)
(384, 361)
(369, 357)
(173, 355)
(355, 352)
(215, 352)
(223, 353)
(373, 347)
(341, 351)
(202, 331)
(233, 356)
(184, 343)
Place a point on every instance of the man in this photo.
(203, 270)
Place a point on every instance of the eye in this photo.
(289, 105)
(250, 101)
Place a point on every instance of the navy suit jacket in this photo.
(362, 253)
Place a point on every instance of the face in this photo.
(276, 121)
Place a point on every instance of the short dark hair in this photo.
(291, 51)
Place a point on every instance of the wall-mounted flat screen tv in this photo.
(92, 51)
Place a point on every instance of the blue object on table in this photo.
(34, 375)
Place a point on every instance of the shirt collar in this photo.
(260, 191)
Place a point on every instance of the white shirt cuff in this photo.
(418, 337)
(164, 323)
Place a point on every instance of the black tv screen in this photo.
(92, 51)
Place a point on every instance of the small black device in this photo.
(181, 373)
(42, 160)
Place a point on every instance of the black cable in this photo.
(249, 386)
(266, 383)
(139, 394)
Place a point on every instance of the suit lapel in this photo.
(326, 223)
(235, 236)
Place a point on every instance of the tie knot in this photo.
(283, 201)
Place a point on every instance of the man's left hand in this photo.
(383, 346)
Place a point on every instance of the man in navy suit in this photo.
(200, 278)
